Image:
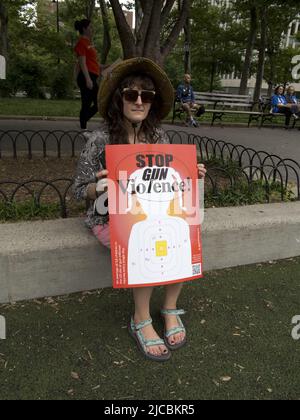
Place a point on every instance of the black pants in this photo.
(89, 106)
(288, 115)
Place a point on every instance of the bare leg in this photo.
(142, 297)
(187, 110)
(172, 294)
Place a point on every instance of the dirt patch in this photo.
(23, 169)
(36, 173)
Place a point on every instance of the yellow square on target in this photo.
(161, 248)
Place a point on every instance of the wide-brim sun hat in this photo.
(112, 79)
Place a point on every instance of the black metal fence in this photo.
(229, 165)
(45, 143)
(256, 165)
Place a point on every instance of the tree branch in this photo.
(179, 25)
(142, 32)
(90, 8)
(152, 41)
(106, 32)
(3, 30)
(166, 11)
(125, 32)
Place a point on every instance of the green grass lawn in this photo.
(71, 108)
(39, 107)
(239, 342)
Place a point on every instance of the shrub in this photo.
(61, 84)
(25, 74)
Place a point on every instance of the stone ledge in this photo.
(49, 258)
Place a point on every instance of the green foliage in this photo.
(242, 192)
(61, 82)
(218, 46)
(217, 42)
(27, 74)
(28, 210)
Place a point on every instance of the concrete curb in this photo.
(58, 257)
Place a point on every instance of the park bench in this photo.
(271, 117)
(219, 104)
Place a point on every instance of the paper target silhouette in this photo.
(160, 247)
(154, 214)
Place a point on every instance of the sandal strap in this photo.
(180, 327)
(136, 328)
(174, 331)
(148, 343)
(140, 325)
(158, 342)
(173, 312)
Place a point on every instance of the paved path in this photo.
(284, 143)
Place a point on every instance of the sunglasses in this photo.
(131, 95)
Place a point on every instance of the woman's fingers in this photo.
(202, 170)
(102, 174)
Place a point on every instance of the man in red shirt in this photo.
(88, 71)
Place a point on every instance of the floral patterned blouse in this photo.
(91, 161)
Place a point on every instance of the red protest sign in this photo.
(154, 214)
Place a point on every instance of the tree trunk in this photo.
(188, 42)
(152, 43)
(3, 30)
(212, 77)
(272, 74)
(90, 8)
(146, 42)
(106, 32)
(249, 52)
(138, 16)
(125, 32)
(262, 54)
(179, 25)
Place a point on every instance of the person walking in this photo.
(88, 72)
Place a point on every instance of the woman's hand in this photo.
(102, 184)
(89, 83)
(201, 171)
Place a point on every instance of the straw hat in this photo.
(120, 71)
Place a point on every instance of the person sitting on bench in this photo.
(281, 106)
(185, 95)
(293, 101)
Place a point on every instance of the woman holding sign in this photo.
(133, 99)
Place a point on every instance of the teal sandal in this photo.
(143, 344)
(175, 330)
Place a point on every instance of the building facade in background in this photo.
(231, 82)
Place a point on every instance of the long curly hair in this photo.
(116, 125)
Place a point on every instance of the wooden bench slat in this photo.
(212, 99)
(220, 104)
(227, 111)
(233, 103)
(223, 95)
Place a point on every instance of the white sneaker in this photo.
(193, 123)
